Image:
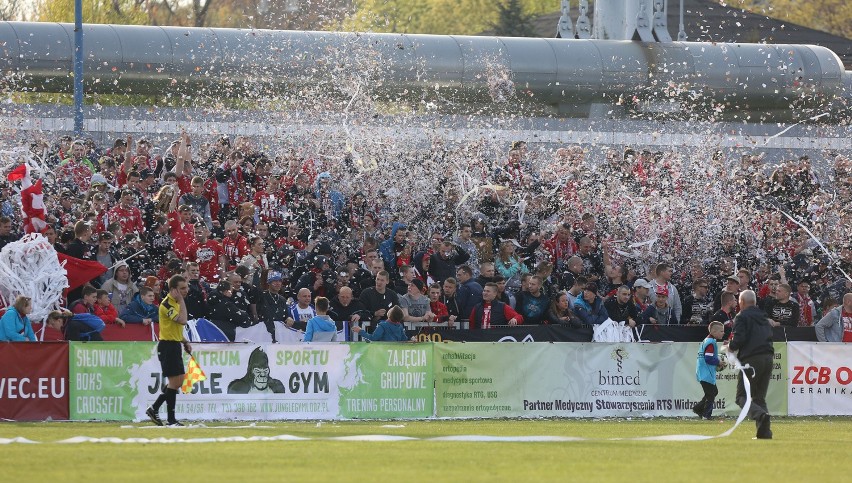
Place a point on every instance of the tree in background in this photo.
(832, 16)
(131, 12)
(270, 14)
(459, 17)
(15, 10)
(512, 21)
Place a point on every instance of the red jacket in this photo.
(440, 310)
(108, 314)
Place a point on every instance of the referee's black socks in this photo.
(171, 398)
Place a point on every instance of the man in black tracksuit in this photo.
(753, 339)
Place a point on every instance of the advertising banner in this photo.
(819, 378)
(580, 380)
(33, 381)
(118, 381)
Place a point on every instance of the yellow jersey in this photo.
(170, 329)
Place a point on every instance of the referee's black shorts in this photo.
(170, 353)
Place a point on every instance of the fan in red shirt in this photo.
(181, 229)
(270, 201)
(846, 322)
(442, 314)
(127, 215)
(208, 254)
(234, 244)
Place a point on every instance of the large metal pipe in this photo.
(147, 60)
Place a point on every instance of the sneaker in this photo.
(153, 416)
(175, 424)
(763, 429)
(698, 410)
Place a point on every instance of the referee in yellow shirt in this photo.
(173, 317)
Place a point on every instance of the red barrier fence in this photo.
(112, 332)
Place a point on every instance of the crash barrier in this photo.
(118, 380)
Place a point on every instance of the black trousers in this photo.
(759, 379)
(707, 403)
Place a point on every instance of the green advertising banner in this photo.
(118, 381)
(394, 381)
(102, 378)
(581, 380)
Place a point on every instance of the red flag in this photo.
(32, 199)
(20, 172)
(80, 271)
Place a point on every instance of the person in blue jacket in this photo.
(142, 309)
(321, 326)
(15, 326)
(589, 306)
(388, 248)
(390, 330)
(326, 194)
(705, 369)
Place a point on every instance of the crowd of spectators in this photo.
(452, 238)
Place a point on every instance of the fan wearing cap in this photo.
(589, 306)
(659, 313)
(272, 305)
(127, 214)
(641, 287)
(415, 306)
(664, 276)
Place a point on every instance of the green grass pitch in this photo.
(804, 449)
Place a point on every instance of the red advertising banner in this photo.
(33, 381)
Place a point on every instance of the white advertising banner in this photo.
(819, 378)
(581, 380)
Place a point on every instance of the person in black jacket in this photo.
(196, 298)
(442, 265)
(224, 313)
(753, 341)
(621, 309)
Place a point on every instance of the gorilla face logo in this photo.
(261, 377)
(257, 378)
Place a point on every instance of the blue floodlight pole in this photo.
(78, 67)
